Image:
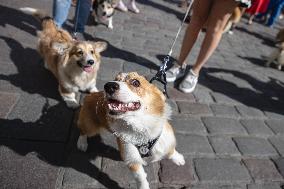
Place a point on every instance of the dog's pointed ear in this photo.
(100, 46)
(114, 3)
(60, 48)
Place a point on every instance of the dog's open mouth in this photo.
(116, 106)
(87, 68)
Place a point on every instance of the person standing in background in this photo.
(215, 13)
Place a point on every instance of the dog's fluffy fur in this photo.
(135, 111)
(73, 63)
(103, 11)
(277, 56)
(280, 36)
(233, 20)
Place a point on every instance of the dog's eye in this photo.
(135, 83)
(80, 53)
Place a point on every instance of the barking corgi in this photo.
(136, 113)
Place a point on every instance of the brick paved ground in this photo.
(230, 129)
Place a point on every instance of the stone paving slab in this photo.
(228, 171)
(276, 125)
(177, 175)
(256, 127)
(195, 109)
(188, 125)
(7, 102)
(217, 125)
(29, 165)
(224, 146)
(224, 110)
(193, 145)
(256, 147)
(263, 170)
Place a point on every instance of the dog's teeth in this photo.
(109, 106)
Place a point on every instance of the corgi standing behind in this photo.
(103, 11)
(74, 63)
(136, 113)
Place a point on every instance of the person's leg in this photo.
(200, 14)
(275, 13)
(219, 15)
(82, 14)
(201, 9)
(251, 19)
(60, 11)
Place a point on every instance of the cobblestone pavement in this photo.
(230, 129)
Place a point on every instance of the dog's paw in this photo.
(178, 159)
(93, 90)
(143, 185)
(110, 27)
(82, 143)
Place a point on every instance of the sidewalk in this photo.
(230, 129)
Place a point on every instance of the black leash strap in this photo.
(161, 74)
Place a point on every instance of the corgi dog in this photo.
(136, 113)
(74, 63)
(103, 11)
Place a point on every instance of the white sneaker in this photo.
(189, 83)
(132, 7)
(121, 6)
(175, 72)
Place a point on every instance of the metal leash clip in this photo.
(161, 74)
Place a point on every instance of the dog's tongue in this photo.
(88, 69)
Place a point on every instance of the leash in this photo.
(161, 74)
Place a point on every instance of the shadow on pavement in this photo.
(18, 19)
(114, 52)
(178, 14)
(266, 96)
(36, 138)
(32, 77)
(265, 40)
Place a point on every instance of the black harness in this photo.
(145, 149)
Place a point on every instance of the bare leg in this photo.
(220, 13)
(200, 14)
(251, 19)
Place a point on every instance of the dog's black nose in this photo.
(111, 87)
(104, 13)
(91, 62)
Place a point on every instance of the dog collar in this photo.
(145, 149)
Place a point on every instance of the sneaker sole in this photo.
(185, 90)
(174, 78)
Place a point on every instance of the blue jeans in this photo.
(275, 11)
(61, 10)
